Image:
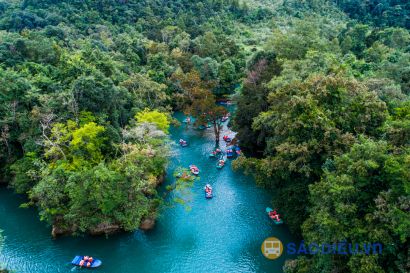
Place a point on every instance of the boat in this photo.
(229, 153)
(220, 164)
(94, 264)
(208, 191)
(215, 152)
(194, 169)
(227, 139)
(183, 143)
(275, 220)
(224, 118)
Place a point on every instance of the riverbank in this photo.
(223, 234)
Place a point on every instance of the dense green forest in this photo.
(87, 90)
(325, 113)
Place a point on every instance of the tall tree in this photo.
(200, 101)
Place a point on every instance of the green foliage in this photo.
(75, 82)
(322, 105)
(82, 190)
(181, 189)
(326, 119)
(161, 120)
(363, 198)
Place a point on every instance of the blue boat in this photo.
(77, 259)
(229, 153)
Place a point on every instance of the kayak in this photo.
(77, 259)
(268, 210)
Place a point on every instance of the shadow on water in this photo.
(223, 234)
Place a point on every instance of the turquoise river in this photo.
(223, 234)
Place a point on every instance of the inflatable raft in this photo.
(221, 163)
(227, 139)
(229, 153)
(208, 191)
(269, 211)
(194, 169)
(183, 143)
(215, 152)
(77, 259)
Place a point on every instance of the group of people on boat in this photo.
(183, 143)
(208, 191)
(274, 215)
(215, 152)
(194, 169)
(86, 261)
(221, 163)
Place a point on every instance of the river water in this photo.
(223, 234)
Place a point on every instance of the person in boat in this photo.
(81, 263)
(218, 150)
(273, 213)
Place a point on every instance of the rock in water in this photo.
(147, 224)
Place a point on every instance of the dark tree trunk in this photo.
(217, 131)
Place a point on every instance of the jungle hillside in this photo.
(88, 90)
